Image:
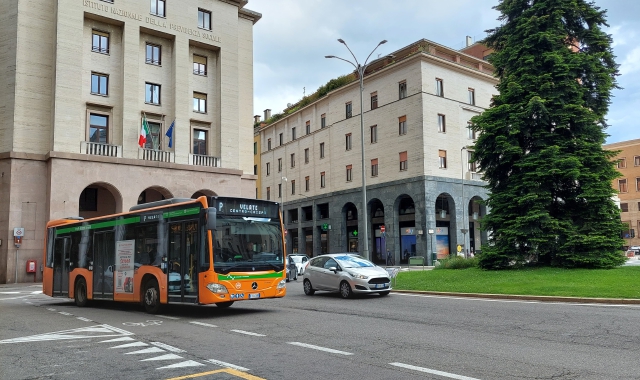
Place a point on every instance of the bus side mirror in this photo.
(211, 218)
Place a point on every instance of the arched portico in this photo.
(98, 199)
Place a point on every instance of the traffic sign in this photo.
(18, 232)
(459, 248)
(325, 226)
(382, 228)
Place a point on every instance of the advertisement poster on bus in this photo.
(442, 242)
(124, 266)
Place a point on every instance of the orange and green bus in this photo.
(210, 250)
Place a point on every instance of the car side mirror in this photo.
(334, 269)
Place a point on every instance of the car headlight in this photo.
(217, 288)
(358, 276)
(282, 284)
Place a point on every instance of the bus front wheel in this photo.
(80, 294)
(224, 304)
(151, 297)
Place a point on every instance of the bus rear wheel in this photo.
(80, 293)
(151, 299)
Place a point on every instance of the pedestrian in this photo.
(389, 258)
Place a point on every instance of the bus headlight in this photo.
(217, 288)
(282, 284)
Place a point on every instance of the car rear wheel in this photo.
(295, 276)
(385, 293)
(308, 289)
(345, 290)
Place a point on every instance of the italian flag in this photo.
(144, 131)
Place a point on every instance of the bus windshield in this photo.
(244, 244)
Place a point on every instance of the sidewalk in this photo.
(22, 285)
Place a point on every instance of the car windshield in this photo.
(353, 261)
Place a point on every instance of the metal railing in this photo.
(200, 160)
(100, 149)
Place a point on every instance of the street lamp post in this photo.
(360, 69)
(282, 192)
(464, 229)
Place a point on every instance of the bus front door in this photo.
(61, 266)
(183, 266)
(103, 265)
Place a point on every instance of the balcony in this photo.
(155, 155)
(200, 160)
(474, 176)
(100, 149)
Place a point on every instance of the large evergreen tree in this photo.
(540, 143)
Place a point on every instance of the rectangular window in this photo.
(374, 167)
(402, 125)
(293, 133)
(347, 141)
(279, 165)
(255, 148)
(306, 156)
(204, 19)
(153, 140)
(268, 193)
(374, 100)
(402, 90)
(472, 97)
(439, 87)
(624, 207)
(348, 110)
(638, 186)
(293, 187)
(153, 54)
(280, 190)
(308, 127)
(268, 144)
(268, 168)
(200, 142)
(255, 169)
(473, 167)
(403, 161)
(322, 179)
(636, 160)
(306, 183)
(152, 93)
(321, 150)
(158, 8)
(349, 173)
(199, 65)
(472, 134)
(374, 134)
(199, 102)
(622, 163)
(442, 159)
(98, 128)
(99, 84)
(293, 160)
(442, 123)
(323, 120)
(100, 42)
(281, 138)
(622, 185)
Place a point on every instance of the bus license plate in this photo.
(254, 296)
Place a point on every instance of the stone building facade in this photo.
(81, 77)
(423, 194)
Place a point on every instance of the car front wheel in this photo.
(345, 290)
(308, 289)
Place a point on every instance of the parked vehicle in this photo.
(300, 260)
(292, 269)
(346, 273)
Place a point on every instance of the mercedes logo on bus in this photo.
(254, 286)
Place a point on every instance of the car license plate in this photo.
(381, 286)
(254, 296)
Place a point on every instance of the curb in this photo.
(611, 301)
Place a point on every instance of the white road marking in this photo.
(134, 344)
(331, 350)
(248, 333)
(167, 317)
(150, 350)
(163, 357)
(433, 371)
(225, 364)
(99, 331)
(37, 292)
(51, 309)
(84, 319)
(64, 313)
(13, 298)
(203, 324)
(188, 363)
(9, 292)
(123, 339)
(167, 347)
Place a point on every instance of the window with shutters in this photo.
(374, 100)
(349, 173)
(374, 167)
(402, 125)
(199, 65)
(403, 161)
(622, 185)
(442, 159)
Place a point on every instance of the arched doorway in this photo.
(477, 237)
(379, 248)
(406, 227)
(154, 193)
(445, 225)
(99, 199)
(203, 192)
(350, 217)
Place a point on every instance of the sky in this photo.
(293, 37)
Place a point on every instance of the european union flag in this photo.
(169, 133)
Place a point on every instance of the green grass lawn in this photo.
(622, 282)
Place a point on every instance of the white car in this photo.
(300, 261)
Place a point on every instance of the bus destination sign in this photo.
(247, 207)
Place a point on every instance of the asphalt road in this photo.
(400, 336)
